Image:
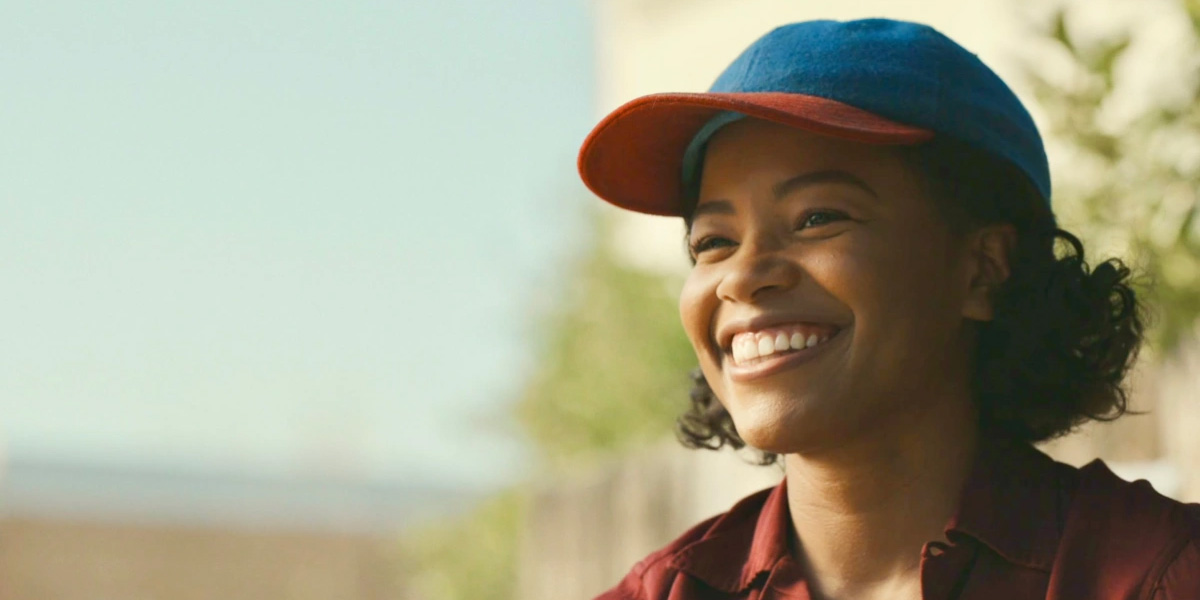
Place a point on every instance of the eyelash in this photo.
(708, 242)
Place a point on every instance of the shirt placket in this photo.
(944, 568)
(784, 582)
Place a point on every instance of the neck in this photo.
(862, 511)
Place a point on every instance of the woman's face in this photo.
(828, 295)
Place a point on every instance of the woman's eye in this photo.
(820, 217)
(709, 243)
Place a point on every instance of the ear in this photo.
(987, 255)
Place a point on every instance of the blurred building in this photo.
(77, 531)
(590, 532)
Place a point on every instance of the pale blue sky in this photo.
(282, 236)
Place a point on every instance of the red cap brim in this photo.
(633, 158)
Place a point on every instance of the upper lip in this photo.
(726, 331)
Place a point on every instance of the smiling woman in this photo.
(1041, 367)
(877, 302)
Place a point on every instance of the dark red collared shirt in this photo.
(1027, 527)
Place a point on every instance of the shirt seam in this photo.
(1171, 555)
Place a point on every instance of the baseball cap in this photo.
(874, 81)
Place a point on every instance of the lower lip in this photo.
(776, 364)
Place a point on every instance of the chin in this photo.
(787, 425)
(769, 429)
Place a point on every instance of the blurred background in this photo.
(305, 300)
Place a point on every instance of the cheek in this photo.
(899, 289)
(697, 310)
(697, 303)
(914, 277)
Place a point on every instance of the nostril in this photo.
(765, 273)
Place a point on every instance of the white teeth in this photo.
(744, 350)
(749, 346)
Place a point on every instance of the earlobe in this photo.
(989, 252)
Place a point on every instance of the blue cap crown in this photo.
(906, 72)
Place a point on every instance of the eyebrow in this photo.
(790, 186)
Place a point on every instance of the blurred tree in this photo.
(470, 558)
(611, 374)
(1134, 180)
(612, 369)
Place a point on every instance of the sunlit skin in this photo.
(876, 424)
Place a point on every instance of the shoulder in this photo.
(1181, 577)
(654, 576)
(1122, 535)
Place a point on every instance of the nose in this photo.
(757, 267)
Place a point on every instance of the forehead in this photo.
(758, 151)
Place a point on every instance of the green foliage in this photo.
(1140, 183)
(612, 372)
(470, 558)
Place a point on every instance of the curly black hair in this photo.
(1063, 337)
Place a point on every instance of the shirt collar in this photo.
(744, 544)
(1014, 502)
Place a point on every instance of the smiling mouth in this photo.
(755, 347)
